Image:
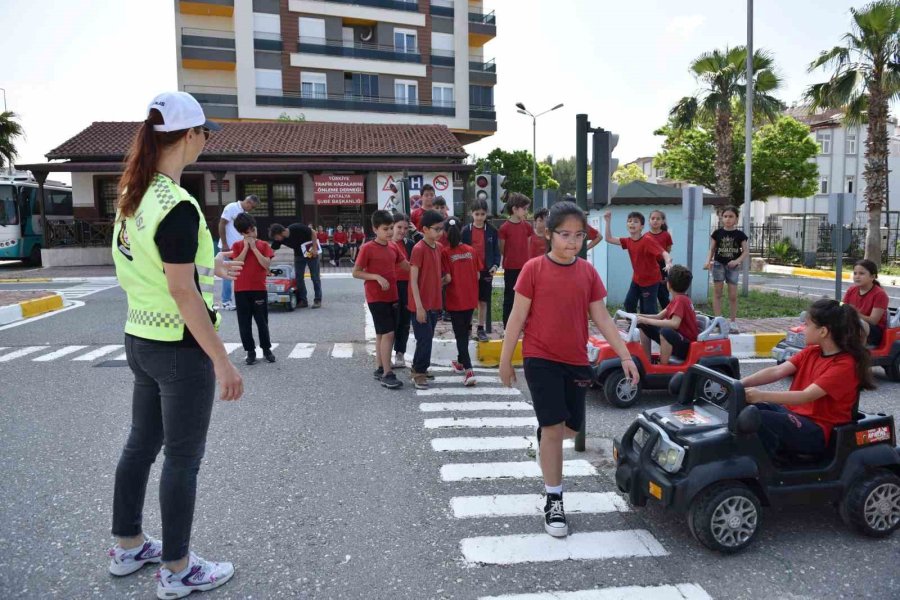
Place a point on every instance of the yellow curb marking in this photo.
(31, 308)
(489, 353)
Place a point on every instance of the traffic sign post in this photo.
(692, 205)
(840, 211)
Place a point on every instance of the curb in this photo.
(99, 279)
(30, 308)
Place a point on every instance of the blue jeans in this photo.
(227, 291)
(300, 264)
(424, 333)
(645, 294)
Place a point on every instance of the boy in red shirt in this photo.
(484, 238)
(425, 293)
(463, 265)
(376, 265)
(340, 245)
(427, 198)
(401, 333)
(676, 326)
(514, 239)
(828, 376)
(645, 255)
(250, 293)
(537, 243)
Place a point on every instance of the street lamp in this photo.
(525, 111)
(4, 98)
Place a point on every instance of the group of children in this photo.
(341, 242)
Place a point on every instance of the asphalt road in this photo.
(321, 484)
(814, 288)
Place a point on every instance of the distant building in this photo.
(655, 175)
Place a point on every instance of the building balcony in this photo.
(481, 72)
(382, 11)
(356, 50)
(267, 41)
(442, 8)
(207, 49)
(217, 102)
(268, 97)
(442, 58)
(486, 113)
(412, 5)
(482, 28)
(207, 8)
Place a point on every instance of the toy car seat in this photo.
(716, 328)
(838, 434)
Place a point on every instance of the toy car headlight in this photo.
(796, 339)
(593, 352)
(670, 456)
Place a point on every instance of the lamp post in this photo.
(4, 98)
(525, 111)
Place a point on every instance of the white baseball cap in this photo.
(180, 111)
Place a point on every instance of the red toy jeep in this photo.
(281, 285)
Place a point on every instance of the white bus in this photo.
(21, 232)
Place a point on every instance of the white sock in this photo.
(554, 489)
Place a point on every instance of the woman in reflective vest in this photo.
(164, 257)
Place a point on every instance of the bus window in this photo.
(8, 213)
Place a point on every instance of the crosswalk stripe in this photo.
(487, 444)
(231, 347)
(511, 470)
(440, 369)
(122, 356)
(458, 379)
(101, 351)
(470, 391)
(681, 591)
(540, 547)
(22, 352)
(515, 505)
(479, 422)
(302, 351)
(58, 353)
(342, 351)
(470, 406)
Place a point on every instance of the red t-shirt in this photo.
(662, 238)
(253, 276)
(682, 306)
(864, 303)
(464, 266)
(537, 246)
(478, 241)
(416, 217)
(322, 236)
(357, 236)
(340, 237)
(836, 375)
(428, 261)
(592, 233)
(515, 238)
(645, 255)
(402, 274)
(557, 325)
(380, 260)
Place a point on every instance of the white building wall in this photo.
(83, 189)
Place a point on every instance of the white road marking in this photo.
(511, 470)
(470, 406)
(342, 351)
(440, 369)
(488, 444)
(540, 547)
(85, 289)
(302, 350)
(680, 591)
(22, 352)
(470, 391)
(459, 379)
(370, 324)
(101, 351)
(468, 507)
(479, 422)
(58, 353)
(231, 347)
(122, 356)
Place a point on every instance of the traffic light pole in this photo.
(582, 127)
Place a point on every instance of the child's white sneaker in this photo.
(457, 367)
(200, 576)
(125, 562)
(469, 379)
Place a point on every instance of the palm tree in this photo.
(9, 129)
(865, 79)
(722, 75)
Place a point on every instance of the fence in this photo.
(78, 232)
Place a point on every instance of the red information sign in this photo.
(335, 190)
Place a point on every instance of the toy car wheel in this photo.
(893, 369)
(725, 517)
(292, 303)
(619, 391)
(872, 506)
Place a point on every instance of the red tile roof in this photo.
(110, 140)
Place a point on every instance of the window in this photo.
(313, 85)
(268, 79)
(107, 195)
(660, 173)
(284, 200)
(406, 92)
(851, 143)
(851, 184)
(361, 85)
(405, 41)
(442, 95)
(9, 214)
(823, 185)
(823, 138)
(312, 31)
(442, 44)
(481, 96)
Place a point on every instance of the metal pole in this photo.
(4, 99)
(534, 163)
(582, 126)
(748, 145)
(839, 250)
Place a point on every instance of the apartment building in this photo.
(368, 61)
(654, 174)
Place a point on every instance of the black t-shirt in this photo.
(176, 238)
(299, 234)
(728, 244)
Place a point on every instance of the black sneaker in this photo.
(555, 516)
(317, 304)
(251, 357)
(379, 373)
(445, 317)
(481, 335)
(269, 356)
(391, 382)
(302, 304)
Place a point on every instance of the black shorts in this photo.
(485, 286)
(557, 391)
(384, 316)
(680, 344)
(875, 336)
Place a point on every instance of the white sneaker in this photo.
(399, 361)
(200, 576)
(230, 306)
(457, 367)
(125, 562)
(469, 379)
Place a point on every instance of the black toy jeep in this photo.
(705, 460)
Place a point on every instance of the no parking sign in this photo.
(441, 183)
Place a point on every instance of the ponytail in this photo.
(843, 324)
(141, 161)
(454, 236)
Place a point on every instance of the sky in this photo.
(624, 63)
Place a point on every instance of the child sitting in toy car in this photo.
(828, 375)
(870, 301)
(676, 326)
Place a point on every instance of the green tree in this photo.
(517, 166)
(564, 173)
(865, 79)
(625, 174)
(9, 130)
(296, 119)
(722, 76)
(782, 159)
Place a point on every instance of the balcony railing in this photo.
(442, 8)
(207, 38)
(356, 50)
(482, 112)
(482, 66)
(269, 97)
(263, 40)
(483, 19)
(412, 5)
(210, 94)
(443, 58)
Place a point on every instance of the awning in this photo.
(253, 166)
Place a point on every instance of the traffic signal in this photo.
(483, 187)
(604, 167)
(502, 193)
